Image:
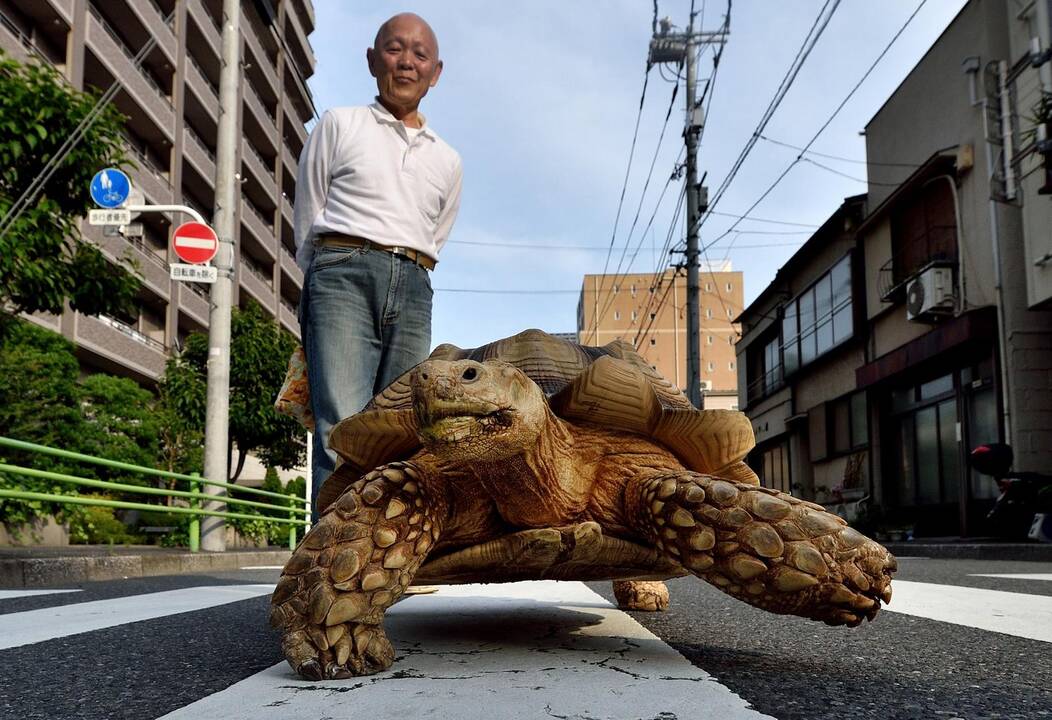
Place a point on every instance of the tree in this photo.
(44, 261)
(259, 353)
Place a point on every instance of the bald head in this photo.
(404, 60)
(401, 20)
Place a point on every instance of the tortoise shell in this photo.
(608, 386)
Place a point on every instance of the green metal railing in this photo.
(195, 498)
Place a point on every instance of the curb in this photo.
(41, 572)
(1029, 552)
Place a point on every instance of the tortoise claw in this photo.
(311, 670)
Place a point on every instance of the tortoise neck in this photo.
(542, 486)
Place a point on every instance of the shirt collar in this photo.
(383, 115)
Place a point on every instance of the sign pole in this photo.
(217, 408)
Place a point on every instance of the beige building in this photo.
(651, 313)
(942, 282)
(171, 102)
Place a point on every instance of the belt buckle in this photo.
(396, 250)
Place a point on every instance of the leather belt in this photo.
(351, 241)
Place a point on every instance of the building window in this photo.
(730, 288)
(615, 289)
(653, 315)
(818, 319)
(711, 366)
(922, 230)
(763, 368)
(730, 365)
(617, 314)
(708, 313)
(728, 311)
(632, 289)
(709, 340)
(772, 465)
(708, 287)
(633, 316)
(848, 424)
(653, 341)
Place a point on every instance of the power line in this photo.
(845, 175)
(763, 220)
(838, 157)
(828, 120)
(810, 40)
(594, 248)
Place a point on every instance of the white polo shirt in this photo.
(363, 173)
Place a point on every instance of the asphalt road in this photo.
(899, 666)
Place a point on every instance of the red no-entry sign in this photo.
(195, 242)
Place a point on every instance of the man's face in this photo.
(404, 61)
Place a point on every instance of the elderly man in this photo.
(377, 193)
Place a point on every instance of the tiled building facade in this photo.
(651, 313)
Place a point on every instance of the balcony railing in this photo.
(115, 36)
(250, 264)
(149, 251)
(203, 74)
(264, 163)
(132, 333)
(255, 211)
(25, 40)
(892, 278)
(288, 306)
(259, 99)
(771, 381)
(192, 134)
(144, 157)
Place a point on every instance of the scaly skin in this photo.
(352, 566)
(764, 547)
(641, 595)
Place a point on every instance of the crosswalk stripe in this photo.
(520, 650)
(11, 594)
(33, 626)
(1019, 614)
(1015, 576)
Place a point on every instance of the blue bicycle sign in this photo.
(110, 188)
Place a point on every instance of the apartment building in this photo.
(171, 102)
(943, 277)
(651, 313)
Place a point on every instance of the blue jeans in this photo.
(365, 316)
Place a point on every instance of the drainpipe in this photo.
(1002, 337)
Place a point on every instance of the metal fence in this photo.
(296, 508)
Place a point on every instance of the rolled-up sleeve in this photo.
(450, 207)
(312, 185)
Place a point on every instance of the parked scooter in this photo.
(1024, 507)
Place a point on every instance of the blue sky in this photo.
(541, 99)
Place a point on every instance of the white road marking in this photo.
(521, 650)
(1019, 614)
(263, 567)
(33, 626)
(1016, 576)
(8, 594)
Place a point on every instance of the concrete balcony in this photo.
(112, 343)
(193, 300)
(198, 154)
(290, 268)
(291, 162)
(288, 317)
(151, 17)
(153, 269)
(293, 127)
(266, 64)
(263, 174)
(19, 44)
(286, 209)
(262, 114)
(257, 225)
(150, 179)
(200, 85)
(261, 290)
(205, 22)
(117, 61)
(300, 45)
(64, 8)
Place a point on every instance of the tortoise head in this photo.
(478, 410)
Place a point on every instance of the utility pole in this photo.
(682, 49)
(217, 410)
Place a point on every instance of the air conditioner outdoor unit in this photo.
(706, 384)
(929, 293)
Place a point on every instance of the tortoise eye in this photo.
(470, 374)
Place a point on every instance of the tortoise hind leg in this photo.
(764, 547)
(641, 595)
(349, 569)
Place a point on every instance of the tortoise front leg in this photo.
(762, 546)
(350, 567)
